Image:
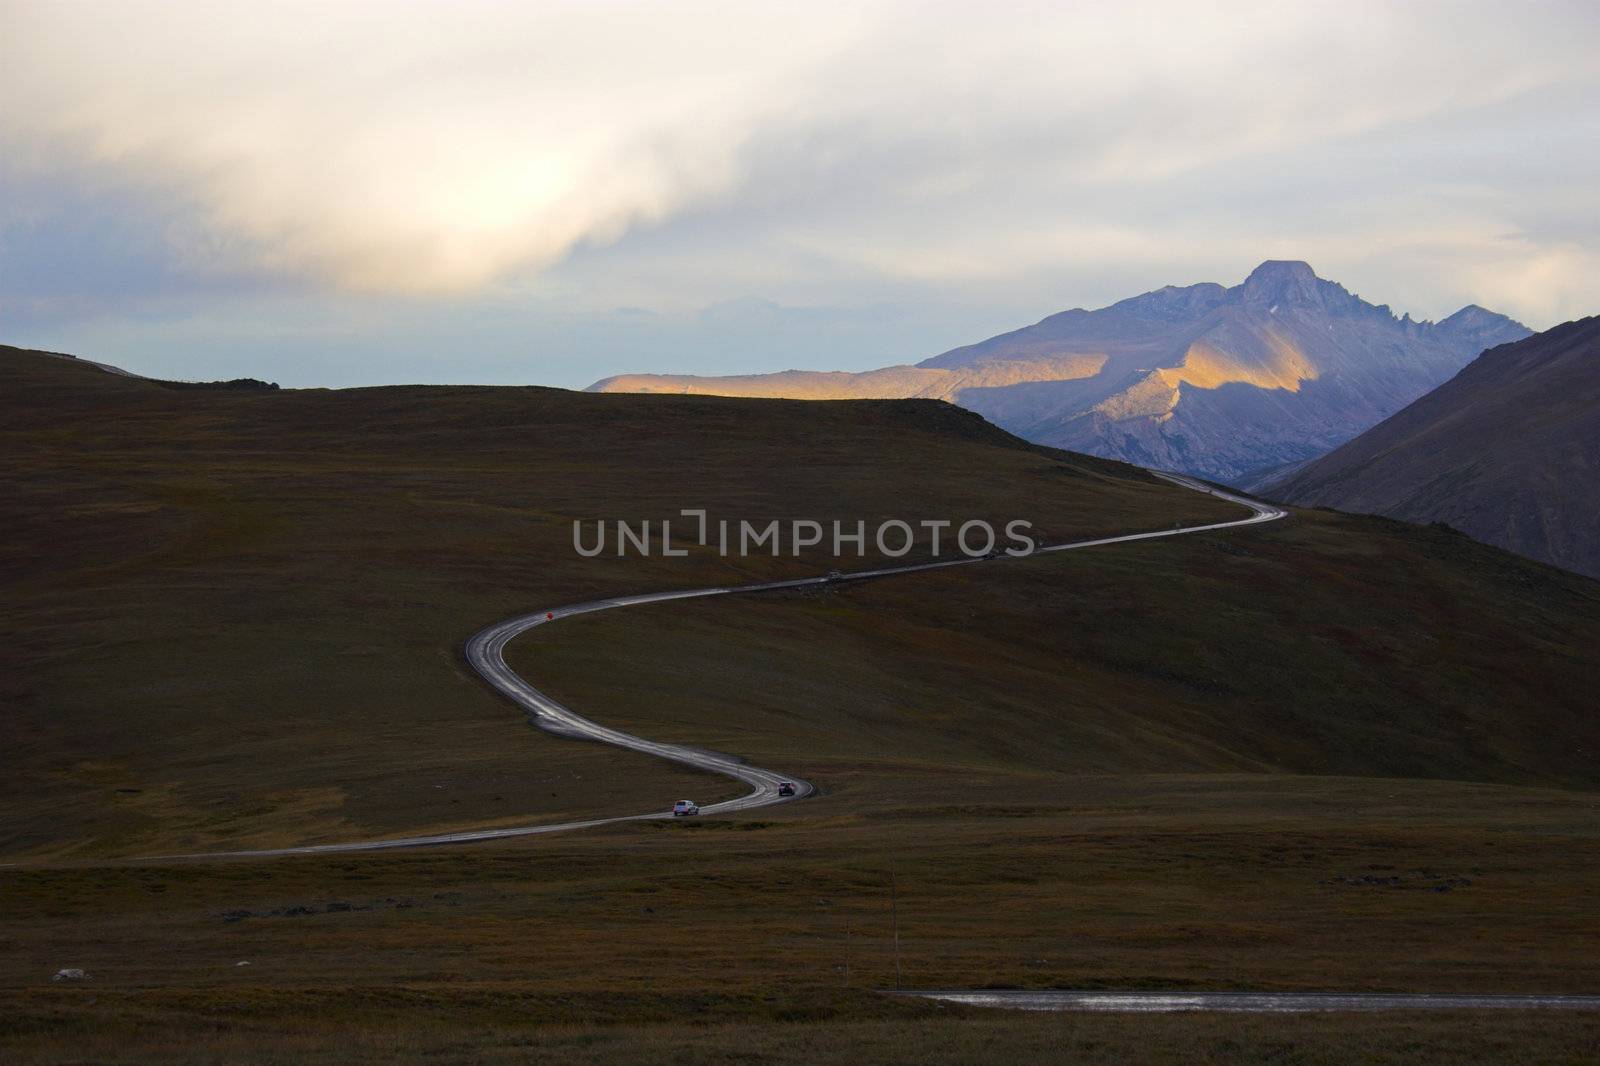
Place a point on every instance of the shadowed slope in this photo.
(1507, 451)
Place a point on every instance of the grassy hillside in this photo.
(1328, 644)
(1332, 752)
(234, 616)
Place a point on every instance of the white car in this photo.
(683, 808)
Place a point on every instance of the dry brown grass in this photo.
(232, 619)
(1502, 1039)
(1325, 645)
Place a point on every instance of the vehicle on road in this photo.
(785, 788)
(835, 575)
(684, 808)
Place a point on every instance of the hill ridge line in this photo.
(484, 651)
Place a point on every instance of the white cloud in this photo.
(711, 150)
(388, 146)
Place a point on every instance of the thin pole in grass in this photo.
(894, 923)
(844, 981)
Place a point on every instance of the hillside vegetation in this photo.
(234, 616)
(1328, 644)
(1329, 752)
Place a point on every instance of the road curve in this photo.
(485, 651)
(1248, 1002)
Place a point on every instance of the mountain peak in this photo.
(1485, 328)
(1282, 281)
(1472, 315)
(1200, 378)
(1278, 271)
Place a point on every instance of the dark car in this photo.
(785, 788)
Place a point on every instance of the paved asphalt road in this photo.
(486, 652)
(1249, 1002)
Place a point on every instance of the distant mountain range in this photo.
(1221, 382)
(1507, 451)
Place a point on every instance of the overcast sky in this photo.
(351, 193)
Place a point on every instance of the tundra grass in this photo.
(740, 927)
(1502, 1039)
(1326, 644)
(1332, 753)
(233, 619)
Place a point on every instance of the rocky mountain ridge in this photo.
(1212, 380)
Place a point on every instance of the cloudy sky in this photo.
(359, 193)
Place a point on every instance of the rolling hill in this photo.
(252, 577)
(1333, 751)
(1210, 380)
(1507, 451)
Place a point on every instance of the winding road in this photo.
(485, 651)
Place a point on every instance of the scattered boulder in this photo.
(70, 974)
